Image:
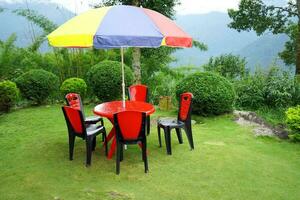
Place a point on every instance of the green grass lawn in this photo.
(228, 163)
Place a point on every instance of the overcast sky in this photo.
(186, 7)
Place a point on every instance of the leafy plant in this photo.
(8, 95)
(227, 65)
(162, 84)
(293, 122)
(250, 91)
(37, 85)
(279, 88)
(74, 85)
(105, 79)
(213, 94)
(275, 89)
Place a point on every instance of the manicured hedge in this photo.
(8, 95)
(74, 85)
(213, 94)
(37, 85)
(105, 79)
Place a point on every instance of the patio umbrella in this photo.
(118, 27)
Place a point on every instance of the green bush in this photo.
(279, 88)
(8, 95)
(105, 79)
(250, 91)
(213, 94)
(296, 95)
(37, 85)
(75, 85)
(293, 122)
(274, 88)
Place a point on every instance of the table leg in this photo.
(112, 148)
(111, 136)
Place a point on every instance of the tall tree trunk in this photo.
(136, 64)
(136, 55)
(298, 42)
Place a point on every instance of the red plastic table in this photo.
(108, 110)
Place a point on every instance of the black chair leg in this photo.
(159, 136)
(105, 143)
(88, 150)
(118, 158)
(168, 140)
(179, 135)
(144, 152)
(94, 144)
(148, 124)
(121, 152)
(71, 146)
(189, 134)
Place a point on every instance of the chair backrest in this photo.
(138, 93)
(74, 120)
(185, 106)
(73, 100)
(130, 125)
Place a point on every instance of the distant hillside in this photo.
(11, 23)
(264, 50)
(212, 29)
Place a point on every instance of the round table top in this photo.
(108, 109)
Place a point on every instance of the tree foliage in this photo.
(227, 65)
(256, 15)
(260, 17)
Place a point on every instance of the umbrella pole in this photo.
(123, 77)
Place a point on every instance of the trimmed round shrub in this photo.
(74, 85)
(37, 85)
(8, 95)
(213, 94)
(105, 79)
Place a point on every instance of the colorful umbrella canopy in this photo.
(118, 27)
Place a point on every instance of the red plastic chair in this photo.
(73, 100)
(130, 129)
(183, 121)
(140, 93)
(77, 128)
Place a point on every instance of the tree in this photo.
(260, 17)
(227, 65)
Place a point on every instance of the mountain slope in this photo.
(11, 23)
(213, 30)
(264, 51)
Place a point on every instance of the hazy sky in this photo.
(186, 7)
